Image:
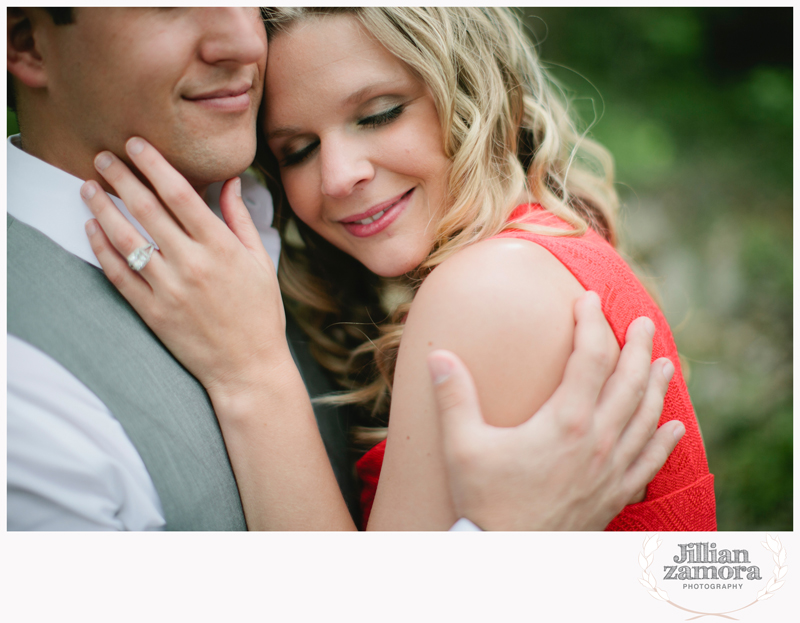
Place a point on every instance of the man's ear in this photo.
(25, 61)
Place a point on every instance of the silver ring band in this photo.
(139, 258)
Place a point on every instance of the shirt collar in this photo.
(48, 199)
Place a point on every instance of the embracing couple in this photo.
(432, 198)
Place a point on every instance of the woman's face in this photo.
(358, 141)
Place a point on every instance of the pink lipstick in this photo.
(378, 217)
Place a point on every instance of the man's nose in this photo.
(344, 167)
(234, 34)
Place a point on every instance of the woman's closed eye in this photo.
(298, 156)
(382, 118)
(373, 121)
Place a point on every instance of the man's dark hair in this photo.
(61, 16)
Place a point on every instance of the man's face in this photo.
(189, 80)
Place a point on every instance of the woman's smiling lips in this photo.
(378, 217)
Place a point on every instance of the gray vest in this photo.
(68, 309)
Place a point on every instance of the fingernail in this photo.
(135, 146)
(237, 187)
(440, 369)
(593, 298)
(91, 227)
(102, 161)
(88, 190)
(679, 431)
(668, 370)
(649, 326)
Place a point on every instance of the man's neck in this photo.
(78, 161)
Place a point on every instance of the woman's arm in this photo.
(505, 308)
(211, 295)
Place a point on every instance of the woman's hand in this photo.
(210, 292)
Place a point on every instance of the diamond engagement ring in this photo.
(140, 257)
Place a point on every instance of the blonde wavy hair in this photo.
(506, 130)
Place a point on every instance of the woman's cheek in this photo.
(297, 192)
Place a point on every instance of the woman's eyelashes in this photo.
(373, 121)
(382, 118)
(298, 156)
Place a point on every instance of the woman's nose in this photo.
(345, 167)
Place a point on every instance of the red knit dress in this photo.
(681, 497)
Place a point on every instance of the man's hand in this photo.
(590, 450)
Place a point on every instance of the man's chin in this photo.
(210, 166)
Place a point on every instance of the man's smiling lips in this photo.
(378, 217)
(234, 98)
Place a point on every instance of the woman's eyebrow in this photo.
(357, 97)
(364, 92)
(281, 132)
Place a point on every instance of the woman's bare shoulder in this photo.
(500, 265)
(504, 306)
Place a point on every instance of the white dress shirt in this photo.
(70, 464)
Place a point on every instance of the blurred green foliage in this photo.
(11, 123)
(696, 106)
